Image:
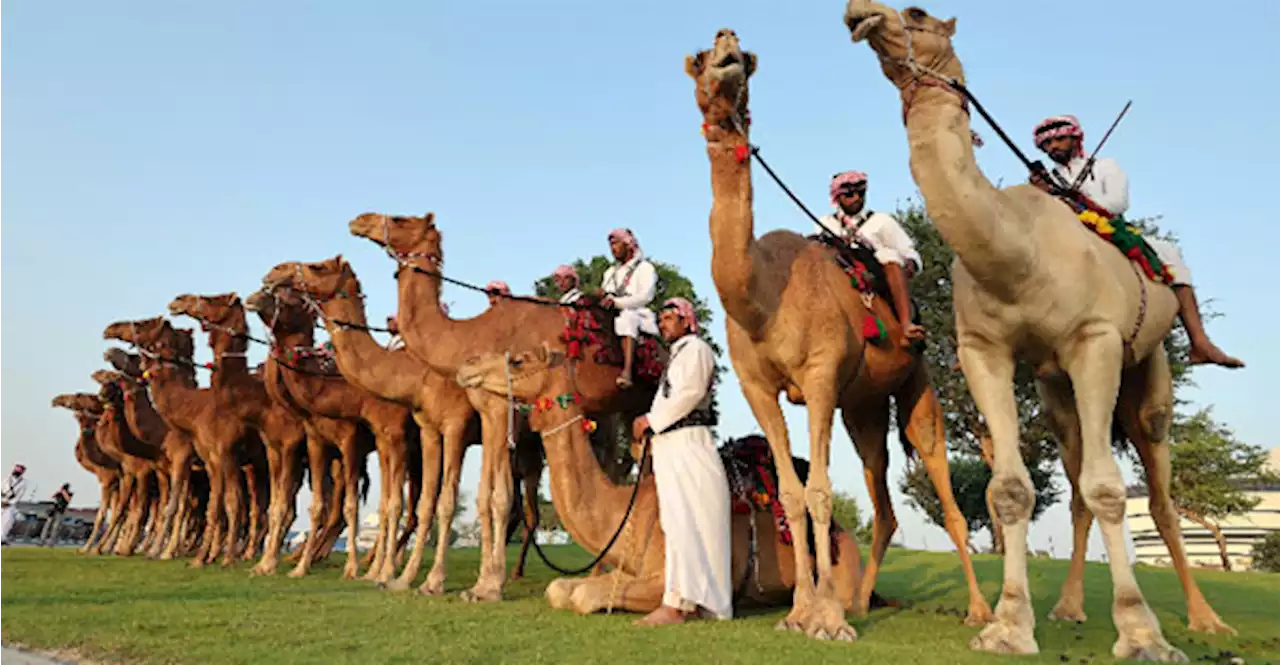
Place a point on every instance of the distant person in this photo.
(14, 487)
(496, 289)
(396, 342)
(53, 524)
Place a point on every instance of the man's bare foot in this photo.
(1208, 353)
(663, 616)
(623, 381)
(911, 333)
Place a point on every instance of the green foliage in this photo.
(1266, 553)
(846, 511)
(1212, 470)
(969, 478)
(617, 461)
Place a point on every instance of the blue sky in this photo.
(160, 148)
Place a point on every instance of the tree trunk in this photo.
(1215, 531)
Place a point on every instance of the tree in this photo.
(846, 511)
(1266, 553)
(1212, 472)
(617, 460)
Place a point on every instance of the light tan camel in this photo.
(1031, 283)
(87, 408)
(591, 507)
(444, 415)
(243, 393)
(444, 344)
(380, 425)
(794, 323)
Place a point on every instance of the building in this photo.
(1240, 532)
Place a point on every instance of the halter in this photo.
(926, 75)
(208, 325)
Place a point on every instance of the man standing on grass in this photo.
(693, 489)
(53, 524)
(14, 487)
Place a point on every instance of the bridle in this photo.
(926, 75)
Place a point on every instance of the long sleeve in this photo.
(640, 291)
(893, 244)
(690, 378)
(1110, 186)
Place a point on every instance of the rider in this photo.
(496, 290)
(14, 487)
(1107, 187)
(567, 281)
(629, 285)
(393, 326)
(893, 248)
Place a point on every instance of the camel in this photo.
(794, 324)
(444, 344)
(219, 438)
(140, 458)
(591, 507)
(379, 425)
(87, 408)
(1031, 283)
(439, 405)
(245, 395)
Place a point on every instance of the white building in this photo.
(1240, 532)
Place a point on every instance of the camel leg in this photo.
(175, 514)
(235, 505)
(868, 428)
(1070, 606)
(119, 513)
(351, 510)
(988, 369)
(317, 460)
(212, 508)
(137, 506)
(254, 477)
(531, 476)
(375, 557)
(275, 512)
(108, 492)
(1145, 409)
(335, 518)
(493, 503)
(450, 474)
(394, 511)
(429, 439)
(587, 595)
(414, 472)
(805, 610)
(1093, 365)
(920, 418)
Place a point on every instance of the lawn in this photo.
(140, 611)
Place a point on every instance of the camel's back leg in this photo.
(1145, 410)
(920, 419)
(867, 427)
(1057, 399)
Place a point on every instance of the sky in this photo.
(158, 148)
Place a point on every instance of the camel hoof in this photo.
(1005, 638)
(481, 595)
(196, 563)
(1211, 624)
(979, 617)
(1064, 611)
(1156, 650)
(297, 573)
(429, 590)
(397, 585)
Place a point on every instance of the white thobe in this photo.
(395, 343)
(1108, 186)
(571, 296)
(633, 286)
(693, 489)
(12, 494)
(883, 234)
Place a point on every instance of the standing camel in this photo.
(795, 324)
(141, 459)
(1032, 283)
(87, 408)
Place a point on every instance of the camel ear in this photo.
(949, 27)
(750, 62)
(430, 219)
(693, 64)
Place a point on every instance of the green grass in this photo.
(135, 610)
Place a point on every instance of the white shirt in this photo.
(883, 234)
(14, 489)
(571, 296)
(395, 343)
(689, 372)
(1107, 185)
(639, 291)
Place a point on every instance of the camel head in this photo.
(220, 311)
(532, 373)
(721, 75)
(902, 37)
(322, 280)
(139, 333)
(79, 402)
(110, 393)
(403, 236)
(128, 363)
(104, 376)
(281, 309)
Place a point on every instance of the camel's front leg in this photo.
(108, 487)
(868, 428)
(318, 462)
(1094, 363)
(275, 512)
(394, 511)
(351, 510)
(137, 507)
(588, 595)
(450, 472)
(118, 514)
(493, 503)
(175, 514)
(429, 438)
(1061, 409)
(234, 505)
(375, 558)
(989, 371)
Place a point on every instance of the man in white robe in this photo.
(629, 285)
(14, 487)
(693, 488)
(1107, 187)
(567, 281)
(396, 342)
(894, 250)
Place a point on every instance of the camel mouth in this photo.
(729, 59)
(860, 27)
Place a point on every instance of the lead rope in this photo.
(511, 407)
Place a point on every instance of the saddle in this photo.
(1117, 231)
(583, 329)
(866, 275)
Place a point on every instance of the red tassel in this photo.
(740, 153)
(870, 328)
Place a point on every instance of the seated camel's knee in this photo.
(558, 594)
(1014, 498)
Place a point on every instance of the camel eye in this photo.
(917, 14)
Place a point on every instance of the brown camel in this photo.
(444, 344)
(87, 408)
(245, 395)
(591, 507)
(218, 436)
(795, 324)
(440, 407)
(383, 426)
(1032, 283)
(141, 460)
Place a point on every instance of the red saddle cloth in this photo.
(582, 329)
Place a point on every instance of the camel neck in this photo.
(589, 505)
(991, 239)
(391, 375)
(142, 417)
(174, 395)
(733, 228)
(230, 348)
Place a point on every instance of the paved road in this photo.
(12, 656)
